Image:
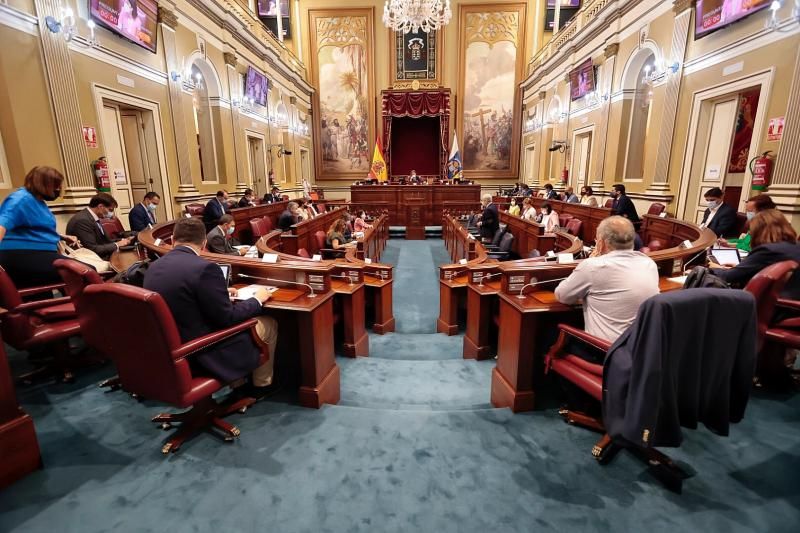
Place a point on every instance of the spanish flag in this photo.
(377, 170)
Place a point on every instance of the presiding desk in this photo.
(303, 306)
(416, 206)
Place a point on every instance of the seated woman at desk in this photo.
(513, 210)
(754, 205)
(528, 211)
(549, 218)
(335, 237)
(587, 197)
(360, 223)
(303, 212)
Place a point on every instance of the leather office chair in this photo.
(656, 209)
(609, 202)
(195, 210)
(285, 197)
(267, 224)
(258, 227)
(574, 226)
(302, 252)
(503, 251)
(112, 227)
(327, 253)
(38, 324)
(497, 239)
(588, 376)
(563, 218)
(153, 363)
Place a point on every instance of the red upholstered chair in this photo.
(258, 226)
(285, 197)
(655, 245)
(320, 207)
(302, 252)
(656, 209)
(609, 202)
(37, 324)
(574, 227)
(153, 363)
(195, 210)
(327, 253)
(268, 224)
(563, 218)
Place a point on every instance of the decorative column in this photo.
(609, 64)
(169, 22)
(239, 146)
(785, 185)
(61, 81)
(680, 34)
(540, 148)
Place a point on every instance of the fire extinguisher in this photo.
(761, 170)
(564, 176)
(101, 179)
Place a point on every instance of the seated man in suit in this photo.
(289, 217)
(570, 197)
(548, 193)
(526, 190)
(248, 199)
(143, 214)
(490, 219)
(413, 178)
(85, 225)
(275, 196)
(197, 294)
(215, 208)
(623, 206)
(219, 239)
(612, 283)
(719, 217)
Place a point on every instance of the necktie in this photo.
(101, 228)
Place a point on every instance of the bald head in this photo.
(617, 233)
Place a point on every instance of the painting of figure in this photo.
(491, 73)
(344, 87)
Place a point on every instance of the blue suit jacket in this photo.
(213, 211)
(139, 218)
(724, 222)
(196, 293)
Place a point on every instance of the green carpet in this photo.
(413, 446)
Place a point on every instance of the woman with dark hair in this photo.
(773, 240)
(549, 218)
(28, 236)
(587, 196)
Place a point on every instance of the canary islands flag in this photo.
(377, 170)
(454, 167)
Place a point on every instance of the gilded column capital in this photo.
(611, 50)
(230, 58)
(167, 17)
(679, 6)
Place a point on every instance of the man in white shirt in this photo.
(612, 283)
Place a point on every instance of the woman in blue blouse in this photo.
(28, 236)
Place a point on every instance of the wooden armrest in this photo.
(591, 340)
(188, 348)
(30, 291)
(40, 304)
(789, 304)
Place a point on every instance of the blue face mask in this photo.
(750, 215)
(230, 231)
(151, 207)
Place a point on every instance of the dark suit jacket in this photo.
(83, 226)
(689, 357)
(140, 218)
(286, 220)
(243, 202)
(490, 221)
(551, 195)
(214, 210)
(218, 242)
(272, 198)
(197, 295)
(623, 206)
(760, 258)
(724, 222)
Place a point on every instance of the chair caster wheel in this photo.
(227, 439)
(235, 431)
(166, 426)
(166, 448)
(243, 410)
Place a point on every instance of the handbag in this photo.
(87, 257)
(701, 278)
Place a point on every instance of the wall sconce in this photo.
(175, 76)
(65, 26)
(772, 21)
(92, 40)
(593, 99)
(654, 72)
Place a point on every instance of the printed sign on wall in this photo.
(775, 129)
(90, 136)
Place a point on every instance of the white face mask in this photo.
(750, 215)
(544, 211)
(712, 204)
(109, 214)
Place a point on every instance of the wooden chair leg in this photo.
(605, 450)
(582, 419)
(205, 415)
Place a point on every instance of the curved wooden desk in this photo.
(303, 306)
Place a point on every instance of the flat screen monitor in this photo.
(581, 80)
(269, 8)
(135, 20)
(256, 86)
(712, 15)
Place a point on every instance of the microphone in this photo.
(535, 282)
(480, 284)
(698, 254)
(343, 276)
(312, 295)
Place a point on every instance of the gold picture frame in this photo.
(401, 83)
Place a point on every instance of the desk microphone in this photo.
(312, 295)
(535, 282)
(480, 284)
(698, 254)
(343, 276)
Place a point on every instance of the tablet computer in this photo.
(725, 256)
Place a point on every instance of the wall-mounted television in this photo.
(581, 80)
(269, 8)
(135, 20)
(712, 15)
(256, 86)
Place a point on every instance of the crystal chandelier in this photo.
(413, 15)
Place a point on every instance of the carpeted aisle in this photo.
(413, 446)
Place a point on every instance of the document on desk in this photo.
(679, 279)
(245, 293)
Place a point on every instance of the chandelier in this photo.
(413, 15)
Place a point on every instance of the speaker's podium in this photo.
(415, 218)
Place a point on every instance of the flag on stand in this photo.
(377, 170)
(454, 167)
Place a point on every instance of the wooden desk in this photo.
(430, 201)
(304, 313)
(19, 449)
(121, 260)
